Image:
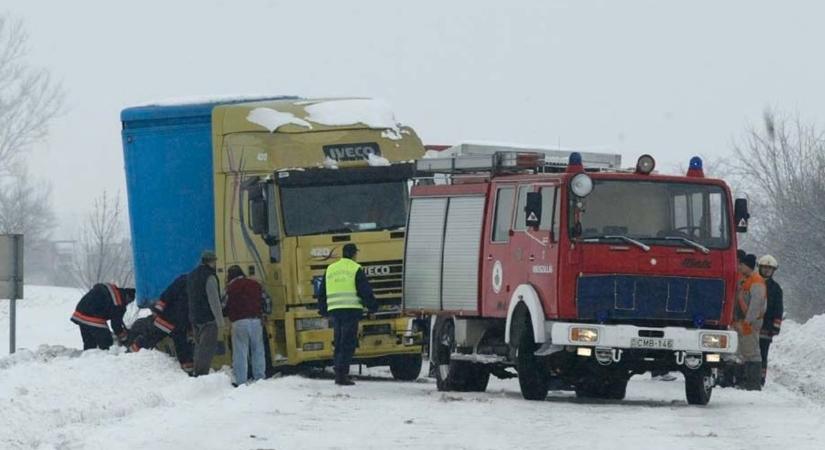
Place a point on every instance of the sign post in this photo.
(11, 279)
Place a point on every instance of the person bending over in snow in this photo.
(103, 303)
(170, 318)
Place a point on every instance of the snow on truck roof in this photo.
(298, 116)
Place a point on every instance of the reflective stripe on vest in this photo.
(340, 285)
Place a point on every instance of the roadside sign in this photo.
(11, 278)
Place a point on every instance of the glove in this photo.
(747, 329)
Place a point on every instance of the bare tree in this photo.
(104, 253)
(25, 206)
(781, 165)
(29, 98)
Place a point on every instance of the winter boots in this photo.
(342, 377)
(753, 376)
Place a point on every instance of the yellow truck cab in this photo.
(296, 180)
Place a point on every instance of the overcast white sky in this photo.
(668, 78)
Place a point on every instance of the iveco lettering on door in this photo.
(352, 152)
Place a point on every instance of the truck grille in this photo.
(384, 277)
(649, 298)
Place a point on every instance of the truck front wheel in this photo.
(698, 386)
(531, 378)
(405, 367)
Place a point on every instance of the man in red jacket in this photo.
(244, 307)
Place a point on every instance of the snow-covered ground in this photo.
(56, 397)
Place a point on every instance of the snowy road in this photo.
(65, 399)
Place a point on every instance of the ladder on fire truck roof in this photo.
(474, 157)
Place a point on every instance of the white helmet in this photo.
(768, 261)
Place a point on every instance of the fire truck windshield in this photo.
(344, 208)
(656, 213)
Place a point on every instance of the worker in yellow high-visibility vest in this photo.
(343, 294)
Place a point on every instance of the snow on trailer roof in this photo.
(554, 156)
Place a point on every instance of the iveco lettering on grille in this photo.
(376, 270)
(352, 152)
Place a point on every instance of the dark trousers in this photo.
(206, 342)
(764, 346)
(95, 337)
(345, 329)
(183, 348)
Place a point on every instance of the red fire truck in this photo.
(570, 271)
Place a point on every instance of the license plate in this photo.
(655, 343)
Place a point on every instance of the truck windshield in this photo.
(657, 213)
(344, 208)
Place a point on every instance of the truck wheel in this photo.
(698, 386)
(405, 367)
(461, 376)
(447, 372)
(477, 378)
(531, 378)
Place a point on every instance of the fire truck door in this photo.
(542, 249)
(497, 269)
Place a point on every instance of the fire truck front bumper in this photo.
(597, 338)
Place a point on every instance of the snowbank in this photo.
(53, 396)
(797, 358)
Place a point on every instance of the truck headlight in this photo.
(586, 335)
(714, 340)
(315, 323)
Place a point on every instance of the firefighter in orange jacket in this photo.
(751, 302)
(103, 303)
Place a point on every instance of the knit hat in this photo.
(208, 256)
(750, 261)
(740, 255)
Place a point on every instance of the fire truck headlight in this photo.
(581, 185)
(584, 335)
(714, 340)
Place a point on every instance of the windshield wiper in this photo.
(641, 245)
(689, 242)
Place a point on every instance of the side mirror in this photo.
(741, 215)
(257, 209)
(532, 209)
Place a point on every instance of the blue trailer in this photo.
(167, 153)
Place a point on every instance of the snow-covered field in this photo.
(56, 397)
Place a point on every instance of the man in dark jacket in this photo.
(244, 307)
(104, 302)
(772, 322)
(343, 293)
(170, 318)
(204, 311)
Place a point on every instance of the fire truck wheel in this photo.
(698, 386)
(452, 375)
(477, 378)
(531, 378)
(405, 367)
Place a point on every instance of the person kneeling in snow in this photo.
(170, 318)
(104, 302)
